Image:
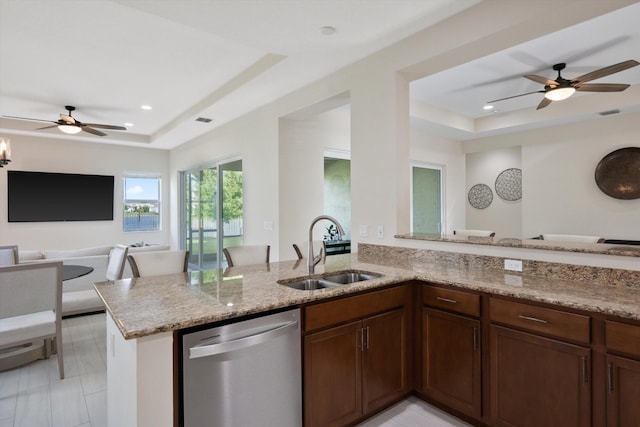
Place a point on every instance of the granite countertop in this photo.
(146, 306)
(589, 248)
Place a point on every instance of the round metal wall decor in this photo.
(509, 184)
(480, 196)
(618, 174)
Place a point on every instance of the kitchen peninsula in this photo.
(144, 314)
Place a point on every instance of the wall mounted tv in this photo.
(45, 197)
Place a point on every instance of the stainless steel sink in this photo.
(350, 277)
(329, 280)
(308, 284)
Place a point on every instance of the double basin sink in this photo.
(329, 280)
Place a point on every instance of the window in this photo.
(427, 191)
(141, 204)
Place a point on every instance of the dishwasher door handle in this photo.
(240, 343)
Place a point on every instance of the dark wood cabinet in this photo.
(353, 369)
(332, 376)
(451, 349)
(623, 392)
(538, 380)
(623, 374)
(384, 359)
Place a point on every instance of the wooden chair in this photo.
(31, 306)
(117, 258)
(156, 263)
(302, 249)
(8, 255)
(247, 255)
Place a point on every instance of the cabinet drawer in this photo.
(355, 307)
(545, 320)
(623, 337)
(449, 299)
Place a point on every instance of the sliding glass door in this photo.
(212, 212)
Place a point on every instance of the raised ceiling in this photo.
(462, 91)
(222, 59)
(186, 59)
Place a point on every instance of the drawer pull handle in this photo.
(450, 301)
(533, 319)
(610, 378)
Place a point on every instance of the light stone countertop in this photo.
(146, 306)
(589, 248)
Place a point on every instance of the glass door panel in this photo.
(212, 213)
(426, 198)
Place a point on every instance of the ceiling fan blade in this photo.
(543, 103)
(27, 118)
(539, 79)
(67, 119)
(602, 72)
(515, 96)
(99, 126)
(602, 87)
(93, 131)
(47, 127)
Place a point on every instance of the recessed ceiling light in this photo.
(147, 107)
(128, 124)
(327, 30)
(488, 107)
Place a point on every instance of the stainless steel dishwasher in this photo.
(244, 374)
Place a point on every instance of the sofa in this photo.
(79, 295)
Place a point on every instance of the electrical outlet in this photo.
(364, 230)
(513, 280)
(380, 232)
(268, 225)
(513, 265)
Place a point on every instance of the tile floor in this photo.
(34, 395)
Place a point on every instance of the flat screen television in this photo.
(46, 196)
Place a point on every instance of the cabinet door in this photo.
(332, 376)
(623, 394)
(384, 356)
(451, 360)
(538, 381)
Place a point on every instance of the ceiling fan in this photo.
(70, 125)
(561, 88)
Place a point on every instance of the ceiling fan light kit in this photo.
(71, 126)
(69, 129)
(559, 94)
(561, 88)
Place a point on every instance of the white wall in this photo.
(254, 138)
(501, 216)
(301, 175)
(438, 150)
(72, 156)
(379, 98)
(559, 192)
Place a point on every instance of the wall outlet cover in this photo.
(513, 265)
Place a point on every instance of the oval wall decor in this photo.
(509, 184)
(480, 196)
(618, 174)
